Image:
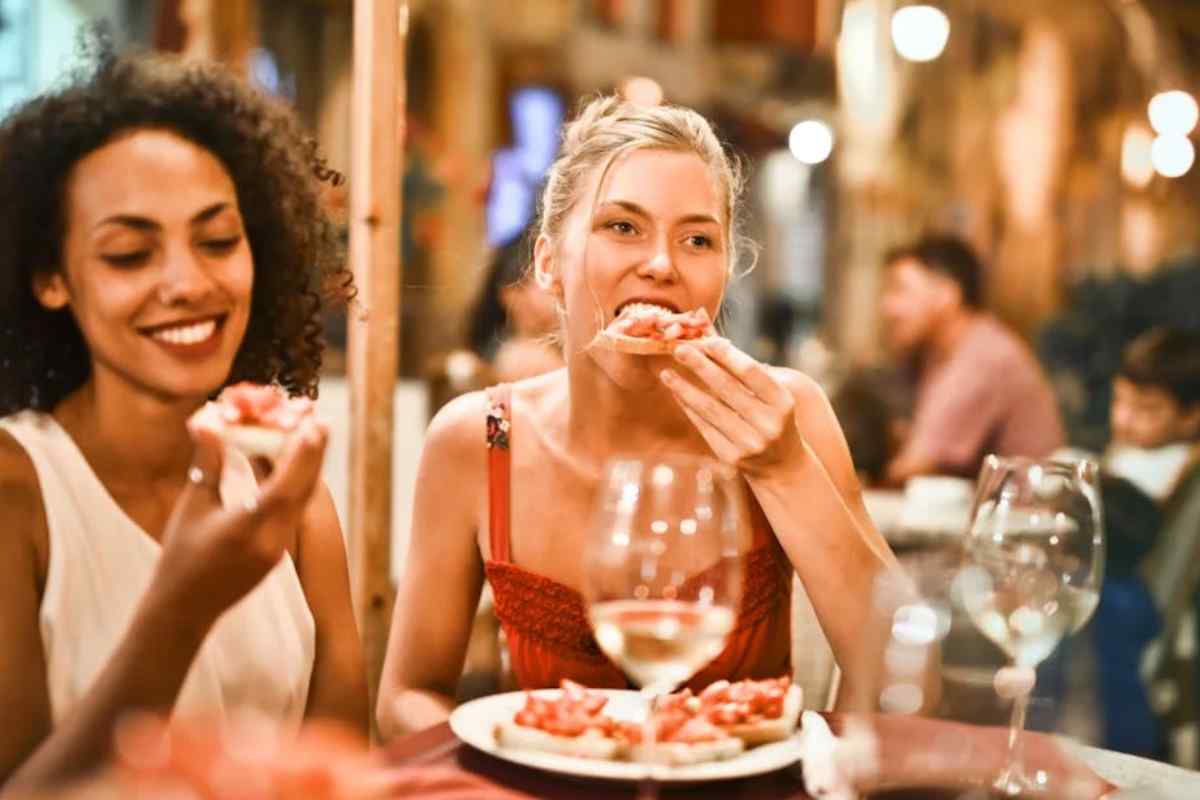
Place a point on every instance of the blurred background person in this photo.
(514, 322)
(1155, 411)
(979, 388)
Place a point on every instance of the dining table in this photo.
(1135, 778)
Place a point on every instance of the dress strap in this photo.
(499, 427)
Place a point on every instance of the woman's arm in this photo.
(211, 558)
(778, 429)
(439, 593)
(23, 691)
(339, 680)
(814, 504)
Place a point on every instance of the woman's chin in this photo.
(634, 373)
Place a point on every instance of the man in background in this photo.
(979, 388)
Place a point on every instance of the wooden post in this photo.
(376, 141)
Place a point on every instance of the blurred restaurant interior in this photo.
(1055, 137)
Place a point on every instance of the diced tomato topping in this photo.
(260, 404)
(575, 711)
(663, 325)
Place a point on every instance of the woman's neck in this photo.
(127, 433)
(625, 409)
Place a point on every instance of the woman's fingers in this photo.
(298, 470)
(722, 448)
(716, 414)
(204, 475)
(732, 390)
(753, 374)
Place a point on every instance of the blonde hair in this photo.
(609, 126)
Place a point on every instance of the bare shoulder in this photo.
(19, 488)
(458, 429)
(453, 467)
(21, 509)
(808, 393)
(820, 426)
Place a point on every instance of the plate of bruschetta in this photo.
(729, 730)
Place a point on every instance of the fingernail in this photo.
(666, 376)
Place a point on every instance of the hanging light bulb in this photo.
(811, 141)
(1137, 162)
(920, 32)
(1173, 155)
(1173, 112)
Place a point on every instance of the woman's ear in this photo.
(50, 288)
(545, 267)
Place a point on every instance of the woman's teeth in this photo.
(643, 308)
(186, 334)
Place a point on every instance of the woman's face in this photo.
(156, 269)
(654, 234)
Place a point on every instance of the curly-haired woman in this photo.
(162, 236)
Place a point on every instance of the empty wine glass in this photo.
(1036, 561)
(662, 569)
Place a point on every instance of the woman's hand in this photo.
(745, 413)
(250, 758)
(212, 555)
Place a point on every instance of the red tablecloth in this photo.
(912, 752)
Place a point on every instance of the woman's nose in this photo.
(659, 266)
(183, 280)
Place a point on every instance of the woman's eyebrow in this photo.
(634, 208)
(208, 213)
(146, 224)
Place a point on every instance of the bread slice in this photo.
(639, 345)
(590, 744)
(771, 730)
(255, 441)
(615, 338)
(678, 754)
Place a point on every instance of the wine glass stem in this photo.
(648, 787)
(1010, 780)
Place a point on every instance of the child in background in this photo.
(1155, 413)
(1155, 419)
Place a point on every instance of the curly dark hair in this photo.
(298, 251)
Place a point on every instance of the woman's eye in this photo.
(622, 227)
(700, 240)
(221, 246)
(127, 259)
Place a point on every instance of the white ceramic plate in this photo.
(475, 723)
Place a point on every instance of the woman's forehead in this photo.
(674, 184)
(148, 172)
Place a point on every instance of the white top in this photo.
(1155, 471)
(260, 652)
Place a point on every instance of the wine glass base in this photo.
(1015, 783)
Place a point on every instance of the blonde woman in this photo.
(639, 206)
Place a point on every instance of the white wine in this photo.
(661, 643)
(1027, 633)
(1019, 598)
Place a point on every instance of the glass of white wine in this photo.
(1035, 566)
(662, 577)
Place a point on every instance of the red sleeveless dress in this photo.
(546, 624)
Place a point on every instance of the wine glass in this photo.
(1035, 565)
(662, 577)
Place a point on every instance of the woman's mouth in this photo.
(194, 338)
